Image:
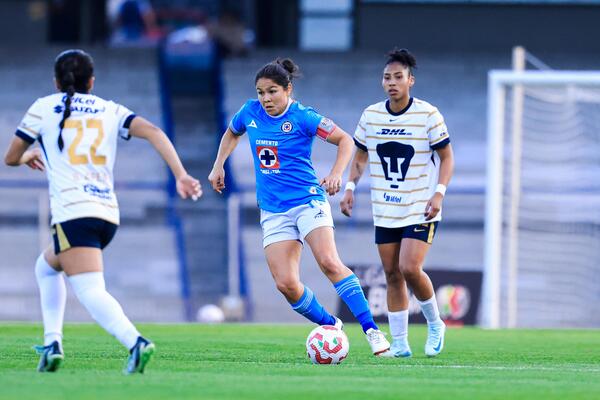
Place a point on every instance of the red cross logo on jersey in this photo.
(268, 157)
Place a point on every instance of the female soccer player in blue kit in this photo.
(292, 201)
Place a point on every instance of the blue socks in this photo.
(310, 308)
(352, 294)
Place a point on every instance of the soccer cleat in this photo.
(338, 323)
(139, 355)
(435, 338)
(399, 349)
(51, 357)
(379, 344)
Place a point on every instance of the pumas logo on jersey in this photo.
(287, 127)
(394, 132)
(252, 124)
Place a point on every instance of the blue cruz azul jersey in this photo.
(281, 147)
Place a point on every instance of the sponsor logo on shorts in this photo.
(320, 214)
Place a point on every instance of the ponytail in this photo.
(73, 70)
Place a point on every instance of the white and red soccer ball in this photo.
(327, 344)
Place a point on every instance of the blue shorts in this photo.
(82, 232)
(423, 232)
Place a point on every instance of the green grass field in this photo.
(269, 362)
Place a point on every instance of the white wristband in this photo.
(351, 186)
(441, 188)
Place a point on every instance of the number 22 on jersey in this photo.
(77, 124)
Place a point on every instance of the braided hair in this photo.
(73, 70)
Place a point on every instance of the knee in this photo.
(288, 287)
(410, 272)
(331, 264)
(393, 276)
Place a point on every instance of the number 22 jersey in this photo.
(404, 166)
(80, 176)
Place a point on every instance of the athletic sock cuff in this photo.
(305, 300)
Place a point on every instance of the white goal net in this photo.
(542, 227)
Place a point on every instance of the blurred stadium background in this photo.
(188, 65)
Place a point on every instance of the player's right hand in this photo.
(347, 203)
(188, 186)
(33, 159)
(217, 179)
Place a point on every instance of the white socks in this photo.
(91, 292)
(430, 310)
(53, 296)
(398, 324)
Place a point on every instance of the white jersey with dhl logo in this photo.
(80, 175)
(404, 166)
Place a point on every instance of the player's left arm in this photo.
(187, 186)
(446, 169)
(336, 135)
(18, 153)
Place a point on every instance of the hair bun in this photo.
(289, 66)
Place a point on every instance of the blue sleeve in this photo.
(237, 124)
(312, 119)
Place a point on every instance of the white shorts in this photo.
(295, 223)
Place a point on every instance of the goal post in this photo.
(545, 95)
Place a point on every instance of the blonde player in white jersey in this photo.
(78, 135)
(406, 144)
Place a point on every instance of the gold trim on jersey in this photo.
(406, 179)
(63, 242)
(34, 115)
(398, 190)
(444, 136)
(433, 112)
(89, 201)
(397, 125)
(411, 165)
(391, 217)
(416, 152)
(362, 127)
(435, 126)
(69, 189)
(29, 129)
(399, 204)
(395, 138)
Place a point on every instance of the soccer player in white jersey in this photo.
(78, 135)
(406, 144)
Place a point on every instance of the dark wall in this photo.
(276, 23)
(478, 28)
